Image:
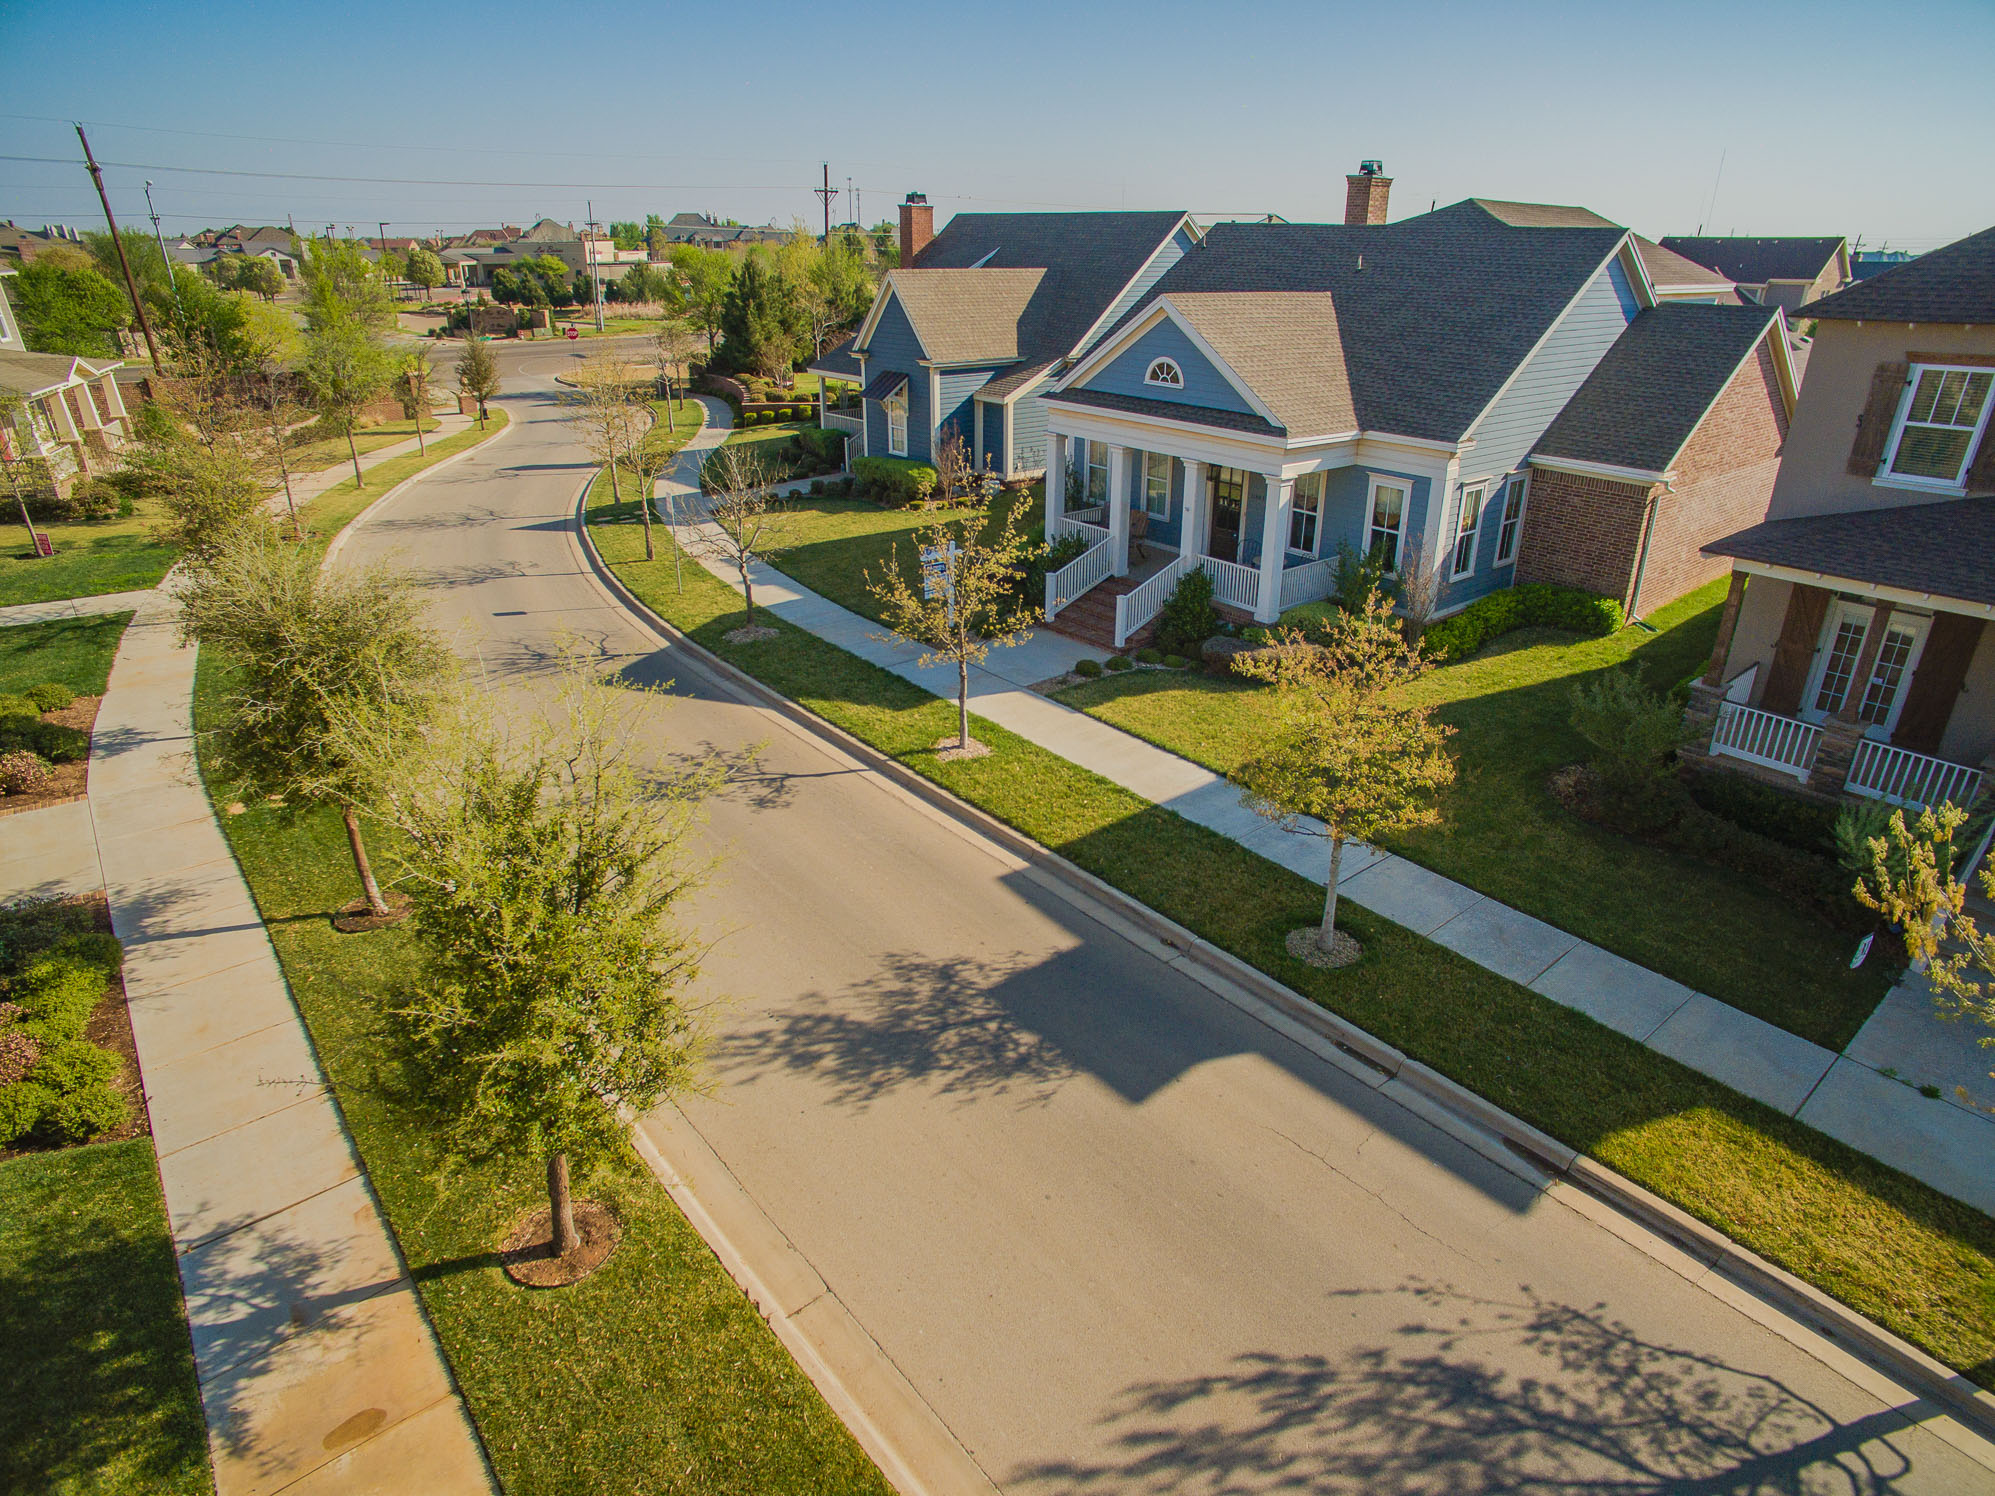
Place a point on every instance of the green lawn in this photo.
(1504, 835)
(1913, 1259)
(97, 1389)
(76, 651)
(330, 451)
(91, 557)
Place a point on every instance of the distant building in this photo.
(70, 414)
(1865, 263)
(710, 233)
(1773, 272)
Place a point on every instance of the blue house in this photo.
(969, 335)
(1284, 388)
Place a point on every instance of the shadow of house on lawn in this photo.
(1476, 1396)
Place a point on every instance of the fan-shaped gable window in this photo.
(1165, 371)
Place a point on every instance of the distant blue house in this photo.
(970, 334)
(1284, 388)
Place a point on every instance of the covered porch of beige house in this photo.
(1839, 686)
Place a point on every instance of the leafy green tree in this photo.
(308, 650)
(706, 275)
(149, 266)
(1345, 754)
(251, 273)
(478, 372)
(546, 861)
(424, 268)
(200, 323)
(627, 235)
(342, 285)
(759, 322)
(413, 373)
(207, 491)
(641, 283)
(960, 612)
(345, 369)
(69, 310)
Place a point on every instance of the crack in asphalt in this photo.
(1368, 1190)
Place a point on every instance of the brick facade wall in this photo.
(1587, 532)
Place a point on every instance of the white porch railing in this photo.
(1902, 777)
(1139, 605)
(1076, 577)
(1067, 525)
(848, 421)
(1307, 584)
(1784, 743)
(1233, 584)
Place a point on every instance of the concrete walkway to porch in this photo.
(1947, 1145)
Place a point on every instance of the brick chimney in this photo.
(1365, 194)
(917, 227)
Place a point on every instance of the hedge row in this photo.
(896, 482)
(1584, 613)
(59, 1086)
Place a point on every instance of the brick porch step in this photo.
(1090, 617)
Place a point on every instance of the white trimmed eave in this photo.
(1102, 356)
(1905, 595)
(1154, 433)
(888, 292)
(1579, 467)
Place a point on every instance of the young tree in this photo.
(478, 372)
(545, 862)
(341, 286)
(415, 374)
(968, 600)
(309, 650)
(345, 369)
(646, 457)
(675, 344)
(745, 525)
(210, 482)
(68, 310)
(1344, 756)
(706, 275)
(952, 466)
(259, 276)
(606, 413)
(424, 268)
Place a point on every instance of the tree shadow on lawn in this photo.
(1476, 1395)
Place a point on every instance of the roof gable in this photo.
(1754, 262)
(1952, 284)
(961, 316)
(1207, 379)
(1669, 270)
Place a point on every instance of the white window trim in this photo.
(1885, 478)
(1459, 571)
(896, 446)
(1861, 613)
(1177, 383)
(1514, 528)
(1163, 514)
(1373, 484)
(1088, 469)
(1296, 510)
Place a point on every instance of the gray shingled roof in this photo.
(1001, 387)
(1434, 312)
(1668, 268)
(840, 362)
(1945, 549)
(1754, 262)
(967, 316)
(1642, 401)
(1200, 415)
(1954, 284)
(1542, 215)
(884, 384)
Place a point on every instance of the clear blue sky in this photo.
(1815, 106)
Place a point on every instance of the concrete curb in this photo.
(1939, 1384)
(338, 542)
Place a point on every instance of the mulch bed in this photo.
(1307, 945)
(527, 1253)
(67, 781)
(357, 918)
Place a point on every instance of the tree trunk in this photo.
(963, 704)
(290, 503)
(747, 588)
(560, 1207)
(616, 495)
(354, 452)
(644, 508)
(422, 446)
(1330, 894)
(368, 886)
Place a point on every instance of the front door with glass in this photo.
(1883, 694)
(1229, 504)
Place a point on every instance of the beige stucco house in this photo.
(1854, 654)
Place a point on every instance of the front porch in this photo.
(1150, 518)
(1838, 693)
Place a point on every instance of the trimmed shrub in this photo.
(22, 772)
(18, 706)
(1633, 733)
(56, 995)
(50, 696)
(1311, 618)
(1188, 618)
(895, 482)
(1257, 636)
(1176, 662)
(1531, 603)
(1805, 825)
(1088, 668)
(22, 1107)
(86, 1112)
(97, 948)
(30, 926)
(1149, 657)
(823, 443)
(1121, 662)
(49, 740)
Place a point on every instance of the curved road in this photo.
(1116, 1233)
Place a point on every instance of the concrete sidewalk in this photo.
(1948, 1146)
(73, 607)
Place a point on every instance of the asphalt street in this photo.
(1118, 1234)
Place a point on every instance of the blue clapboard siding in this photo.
(1168, 254)
(956, 386)
(1028, 435)
(1204, 385)
(991, 450)
(894, 347)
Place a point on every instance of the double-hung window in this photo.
(1945, 410)
(1157, 484)
(896, 406)
(1468, 526)
(1388, 521)
(1305, 515)
(1513, 521)
(1097, 473)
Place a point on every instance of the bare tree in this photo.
(606, 413)
(952, 466)
(676, 344)
(647, 457)
(744, 525)
(1418, 588)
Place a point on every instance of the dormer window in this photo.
(1165, 372)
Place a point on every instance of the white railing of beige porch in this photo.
(1139, 605)
(1233, 584)
(1784, 743)
(1307, 584)
(1902, 777)
(1086, 570)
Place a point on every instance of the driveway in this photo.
(1119, 1235)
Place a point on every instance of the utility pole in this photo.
(825, 195)
(595, 269)
(124, 263)
(179, 311)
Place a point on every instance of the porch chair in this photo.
(1139, 530)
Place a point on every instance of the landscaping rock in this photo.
(1220, 653)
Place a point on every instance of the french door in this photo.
(1882, 696)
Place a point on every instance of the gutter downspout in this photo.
(1642, 558)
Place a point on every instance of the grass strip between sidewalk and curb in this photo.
(1912, 1259)
(327, 513)
(97, 1389)
(654, 1375)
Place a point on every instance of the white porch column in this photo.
(1118, 511)
(822, 407)
(1274, 546)
(1056, 482)
(1191, 520)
